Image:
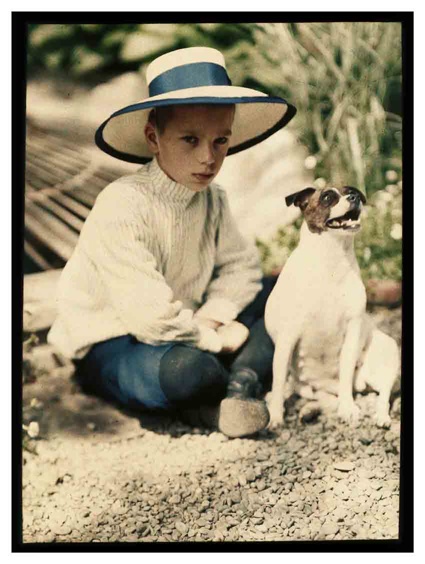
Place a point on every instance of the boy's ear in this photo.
(151, 136)
(301, 198)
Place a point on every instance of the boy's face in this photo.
(192, 147)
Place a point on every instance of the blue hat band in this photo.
(189, 76)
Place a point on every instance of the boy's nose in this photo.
(206, 154)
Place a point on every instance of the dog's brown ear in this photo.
(348, 189)
(300, 199)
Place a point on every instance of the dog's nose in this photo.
(353, 197)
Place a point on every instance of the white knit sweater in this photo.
(150, 254)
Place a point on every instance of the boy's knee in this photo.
(189, 375)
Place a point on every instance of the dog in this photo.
(318, 308)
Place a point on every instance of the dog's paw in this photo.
(276, 421)
(310, 412)
(349, 412)
(382, 420)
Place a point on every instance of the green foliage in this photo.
(379, 243)
(275, 253)
(345, 79)
(90, 51)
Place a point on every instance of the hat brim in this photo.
(257, 117)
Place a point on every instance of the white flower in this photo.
(391, 175)
(392, 189)
(320, 183)
(385, 196)
(33, 429)
(310, 162)
(396, 231)
(381, 205)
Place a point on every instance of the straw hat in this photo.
(195, 75)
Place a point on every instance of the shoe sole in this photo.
(241, 418)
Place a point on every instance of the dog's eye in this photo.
(328, 197)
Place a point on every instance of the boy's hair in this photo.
(159, 117)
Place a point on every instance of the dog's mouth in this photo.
(349, 221)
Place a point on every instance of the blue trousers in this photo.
(175, 375)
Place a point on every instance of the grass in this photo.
(345, 79)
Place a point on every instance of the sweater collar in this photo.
(167, 188)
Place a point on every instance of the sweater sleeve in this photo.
(237, 273)
(118, 245)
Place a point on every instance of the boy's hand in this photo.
(233, 336)
(210, 323)
(209, 339)
(216, 337)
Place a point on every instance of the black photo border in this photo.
(20, 21)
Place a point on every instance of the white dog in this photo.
(318, 307)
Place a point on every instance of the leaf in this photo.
(209, 27)
(47, 32)
(92, 28)
(86, 60)
(160, 29)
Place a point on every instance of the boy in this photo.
(161, 303)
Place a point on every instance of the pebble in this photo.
(181, 527)
(343, 466)
(60, 530)
(257, 520)
(293, 497)
(375, 485)
(329, 529)
(340, 513)
(284, 436)
(366, 441)
(249, 476)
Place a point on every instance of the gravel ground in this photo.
(102, 475)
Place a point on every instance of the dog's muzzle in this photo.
(351, 219)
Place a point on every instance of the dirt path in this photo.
(101, 475)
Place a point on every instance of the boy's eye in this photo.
(190, 139)
(222, 140)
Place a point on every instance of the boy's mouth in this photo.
(202, 176)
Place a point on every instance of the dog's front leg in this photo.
(282, 355)
(347, 410)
